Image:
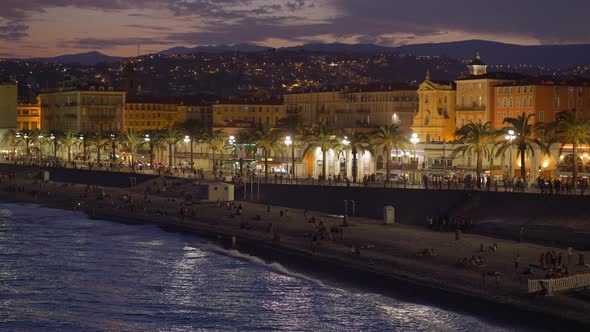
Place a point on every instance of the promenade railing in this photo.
(552, 286)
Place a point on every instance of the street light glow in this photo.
(288, 141)
(345, 141)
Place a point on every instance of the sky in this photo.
(40, 28)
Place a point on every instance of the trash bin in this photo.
(389, 215)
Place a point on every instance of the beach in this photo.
(410, 261)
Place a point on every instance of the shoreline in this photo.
(350, 271)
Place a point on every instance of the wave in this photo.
(274, 266)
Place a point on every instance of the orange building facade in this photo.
(542, 98)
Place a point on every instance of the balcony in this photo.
(473, 107)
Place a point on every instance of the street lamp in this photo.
(54, 141)
(40, 137)
(83, 148)
(346, 143)
(414, 140)
(510, 137)
(289, 142)
(113, 147)
(189, 140)
(147, 139)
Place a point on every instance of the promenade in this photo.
(414, 261)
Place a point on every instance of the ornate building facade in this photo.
(435, 120)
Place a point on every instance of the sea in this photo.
(61, 271)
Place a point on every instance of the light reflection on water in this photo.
(61, 271)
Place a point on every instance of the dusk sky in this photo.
(30, 28)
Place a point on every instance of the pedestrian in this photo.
(287, 213)
(516, 262)
(281, 213)
(570, 253)
(268, 209)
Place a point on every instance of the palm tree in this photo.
(475, 138)
(389, 137)
(267, 139)
(215, 139)
(569, 127)
(357, 141)
(133, 141)
(170, 136)
(154, 141)
(100, 140)
(68, 139)
(40, 138)
(528, 136)
(26, 136)
(10, 138)
(323, 137)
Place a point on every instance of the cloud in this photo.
(103, 43)
(13, 31)
(383, 22)
(539, 19)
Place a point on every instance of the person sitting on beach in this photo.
(461, 262)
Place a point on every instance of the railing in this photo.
(470, 108)
(570, 168)
(559, 284)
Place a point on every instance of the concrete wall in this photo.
(412, 206)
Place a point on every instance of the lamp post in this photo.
(147, 139)
(510, 138)
(83, 148)
(28, 150)
(414, 140)
(189, 140)
(232, 142)
(18, 136)
(40, 137)
(113, 147)
(346, 143)
(289, 143)
(54, 141)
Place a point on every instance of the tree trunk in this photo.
(477, 168)
(354, 165)
(151, 155)
(575, 166)
(522, 166)
(214, 164)
(170, 157)
(266, 165)
(387, 166)
(69, 153)
(98, 154)
(324, 163)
